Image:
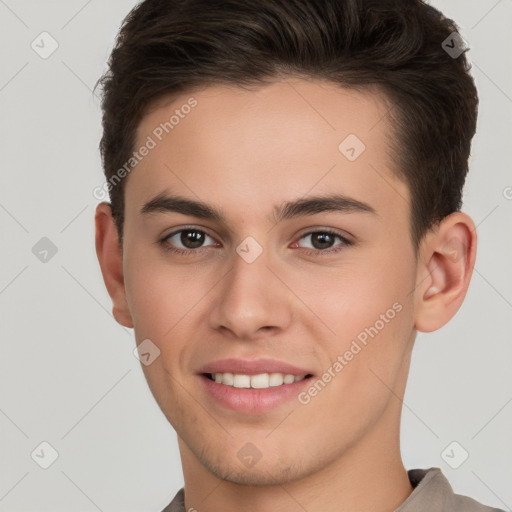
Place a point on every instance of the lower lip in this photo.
(251, 400)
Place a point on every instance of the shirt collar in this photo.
(432, 493)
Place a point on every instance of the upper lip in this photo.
(252, 367)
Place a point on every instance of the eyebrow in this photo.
(164, 203)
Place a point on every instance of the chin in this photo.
(263, 473)
(263, 476)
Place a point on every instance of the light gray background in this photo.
(68, 374)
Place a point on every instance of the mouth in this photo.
(252, 386)
(258, 381)
(252, 395)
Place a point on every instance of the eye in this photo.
(186, 240)
(323, 241)
(189, 241)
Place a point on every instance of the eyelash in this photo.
(311, 252)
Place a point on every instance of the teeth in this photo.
(260, 381)
(276, 379)
(242, 381)
(288, 379)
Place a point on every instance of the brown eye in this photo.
(323, 242)
(192, 239)
(186, 240)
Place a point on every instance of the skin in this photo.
(245, 151)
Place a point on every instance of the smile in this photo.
(259, 381)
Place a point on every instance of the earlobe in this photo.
(109, 255)
(445, 266)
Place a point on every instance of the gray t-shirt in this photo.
(432, 493)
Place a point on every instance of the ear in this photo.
(445, 264)
(110, 258)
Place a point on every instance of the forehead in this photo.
(270, 143)
(282, 111)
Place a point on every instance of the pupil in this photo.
(322, 240)
(192, 239)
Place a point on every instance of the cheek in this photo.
(163, 303)
(160, 295)
(373, 325)
(368, 308)
(353, 297)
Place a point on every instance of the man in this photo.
(285, 181)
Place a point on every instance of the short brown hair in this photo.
(166, 47)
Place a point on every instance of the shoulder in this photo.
(466, 504)
(433, 493)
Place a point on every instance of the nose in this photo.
(250, 301)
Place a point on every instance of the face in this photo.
(289, 242)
